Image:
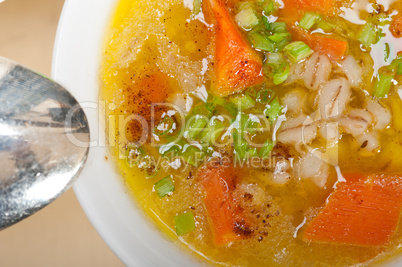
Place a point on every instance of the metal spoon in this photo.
(43, 132)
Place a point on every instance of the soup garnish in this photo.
(261, 133)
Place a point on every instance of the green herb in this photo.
(165, 126)
(192, 155)
(240, 144)
(278, 27)
(324, 25)
(195, 125)
(399, 69)
(164, 187)
(184, 223)
(382, 85)
(278, 37)
(246, 18)
(243, 102)
(308, 20)
(264, 96)
(281, 75)
(134, 155)
(273, 110)
(368, 35)
(297, 51)
(260, 42)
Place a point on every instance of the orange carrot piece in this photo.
(396, 26)
(237, 64)
(218, 182)
(301, 6)
(364, 210)
(335, 49)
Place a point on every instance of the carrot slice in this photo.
(218, 183)
(364, 210)
(396, 26)
(237, 64)
(293, 7)
(335, 49)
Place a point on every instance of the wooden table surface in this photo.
(60, 234)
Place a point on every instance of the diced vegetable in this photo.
(264, 96)
(261, 42)
(204, 110)
(325, 26)
(237, 65)
(282, 74)
(134, 155)
(368, 34)
(197, 5)
(165, 126)
(184, 223)
(268, 7)
(192, 155)
(308, 20)
(164, 187)
(278, 37)
(218, 182)
(335, 49)
(240, 145)
(273, 110)
(364, 210)
(399, 69)
(382, 85)
(279, 27)
(195, 125)
(246, 18)
(266, 149)
(297, 51)
(244, 102)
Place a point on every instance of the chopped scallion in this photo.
(382, 85)
(368, 35)
(273, 110)
(325, 26)
(204, 110)
(264, 96)
(246, 18)
(297, 51)
(308, 20)
(268, 7)
(282, 74)
(278, 27)
(192, 155)
(194, 126)
(164, 187)
(399, 69)
(165, 126)
(244, 102)
(184, 223)
(240, 144)
(278, 37)
(260, 42)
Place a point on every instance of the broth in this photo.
(165, 52)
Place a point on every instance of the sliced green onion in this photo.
(278, 37)
(264, 96)
(195, 126)
(218, 101)
(382, 85)
(184, 223)
(240, 145)
(278, 27)
(273, 110)
(171, 147)
(260, 42)
(197, 7)
(164, 187)
(368, 35)
(386, 52)
(214, 130)
(297, 51)
(281, 75)
(266, 149)
(165, 126)
(244, 102)
(252, 153)
(325, 26)
(192, 155)
(308, 20)
(204, 110)
(266, 23)
(253, 124)
(246, 18)
(399, 69)
(268, 7)
(133, 155)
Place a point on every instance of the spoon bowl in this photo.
(44, 137)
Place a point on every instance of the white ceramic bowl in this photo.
(100, 189)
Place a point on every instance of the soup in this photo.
(261, 133)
